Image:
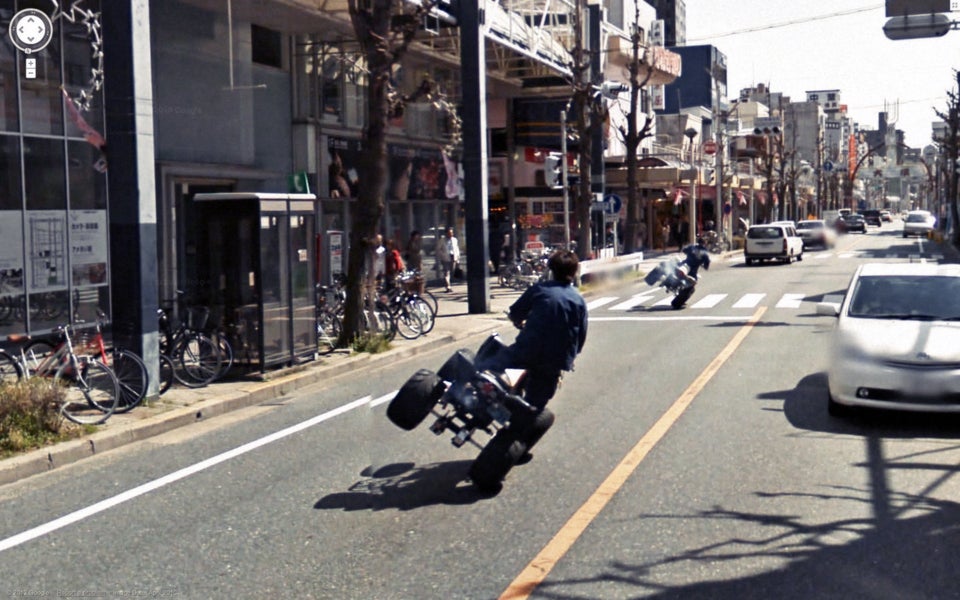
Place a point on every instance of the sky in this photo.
(831, 44)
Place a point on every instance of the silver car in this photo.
(918, 222)
(896, 343)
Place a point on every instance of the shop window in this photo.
(87, 182)
(40, 97)
(10, 173)
(8, 92)
(267, 46)
(44, 174)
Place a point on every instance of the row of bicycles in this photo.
(95, 380)
(521, 274)
(401, 306)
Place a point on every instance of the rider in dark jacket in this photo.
(696, 255)
(552, 317)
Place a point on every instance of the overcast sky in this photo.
(831, 44)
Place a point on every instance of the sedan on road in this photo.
(852, 222)
(896, 342)
(815, 232)
(918, 222)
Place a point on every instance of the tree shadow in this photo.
(884, 542)
(406, 486)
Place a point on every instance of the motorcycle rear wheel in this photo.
(681, 298)
(415, 399)
(495, 460)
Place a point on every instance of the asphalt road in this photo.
(692, 457)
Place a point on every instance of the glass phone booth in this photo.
(257, 257)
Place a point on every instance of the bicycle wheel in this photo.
(226, 354)
(35, 353)
(328, 330)
(9, 368)
(166, 373)
(89, 391)
(427, 315)
(408, 323)
(197, 361)
(431, 300)
(133, 378)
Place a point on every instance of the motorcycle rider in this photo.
(552, 318)
(696, 256)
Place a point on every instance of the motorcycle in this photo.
(673, 276)
(466, 401)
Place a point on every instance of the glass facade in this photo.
(54, 230)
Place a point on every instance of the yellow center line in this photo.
(538, 568)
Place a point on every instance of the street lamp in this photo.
(691, 133)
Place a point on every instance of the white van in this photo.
(773, 241)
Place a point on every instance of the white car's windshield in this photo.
(906, 297)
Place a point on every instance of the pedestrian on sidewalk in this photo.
(448, 253)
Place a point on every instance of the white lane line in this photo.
(709, 301)
(749, 300)
(823, 255)
(846, 254)
(634, 301)
(665, 302)
(383, 399)
(672, 318)
(600, 302)
(791, 300)
(183, 473)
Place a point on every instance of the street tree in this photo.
(384, 30)
(640, 73)
(949, 144)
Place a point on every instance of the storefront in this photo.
(54, 223)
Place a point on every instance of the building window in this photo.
(267, 46)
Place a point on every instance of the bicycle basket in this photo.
(197, 317)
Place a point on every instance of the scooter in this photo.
(470, 402)
(673, 276)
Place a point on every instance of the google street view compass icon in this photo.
(31, 30)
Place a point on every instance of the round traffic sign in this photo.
(710, 147)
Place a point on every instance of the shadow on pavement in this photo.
(406, 486)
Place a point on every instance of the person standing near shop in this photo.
(448, 253)
(414, 253)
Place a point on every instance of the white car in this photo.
(773, 241)
(896, 342)
(918, 222)
(815, 232)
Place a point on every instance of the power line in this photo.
(842, 13)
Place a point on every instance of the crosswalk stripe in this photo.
(791, 300)
(600, 302)
(709, 301)
(846, 254)
(749, 300)
(665, 302)
(634, 301)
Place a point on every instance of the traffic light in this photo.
(553, 170)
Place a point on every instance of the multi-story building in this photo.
(98, 207)
(673, 13)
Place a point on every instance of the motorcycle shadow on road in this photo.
(406, 486)
(805, 407)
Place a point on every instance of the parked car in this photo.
(814, 232)
(918, 222)
(773, 241)
(896, 342)
(851, 222)
(886, 216)
(872, 217)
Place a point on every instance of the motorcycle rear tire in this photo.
(681, 298)
(415, 399)
(495, 460)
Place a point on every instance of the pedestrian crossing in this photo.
(747, 301)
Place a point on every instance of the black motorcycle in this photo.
(673, 276)
(466, 401)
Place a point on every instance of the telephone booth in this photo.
(256, 254)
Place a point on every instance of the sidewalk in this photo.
(182, 406)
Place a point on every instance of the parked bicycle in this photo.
(193, 359)
(87, 389)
